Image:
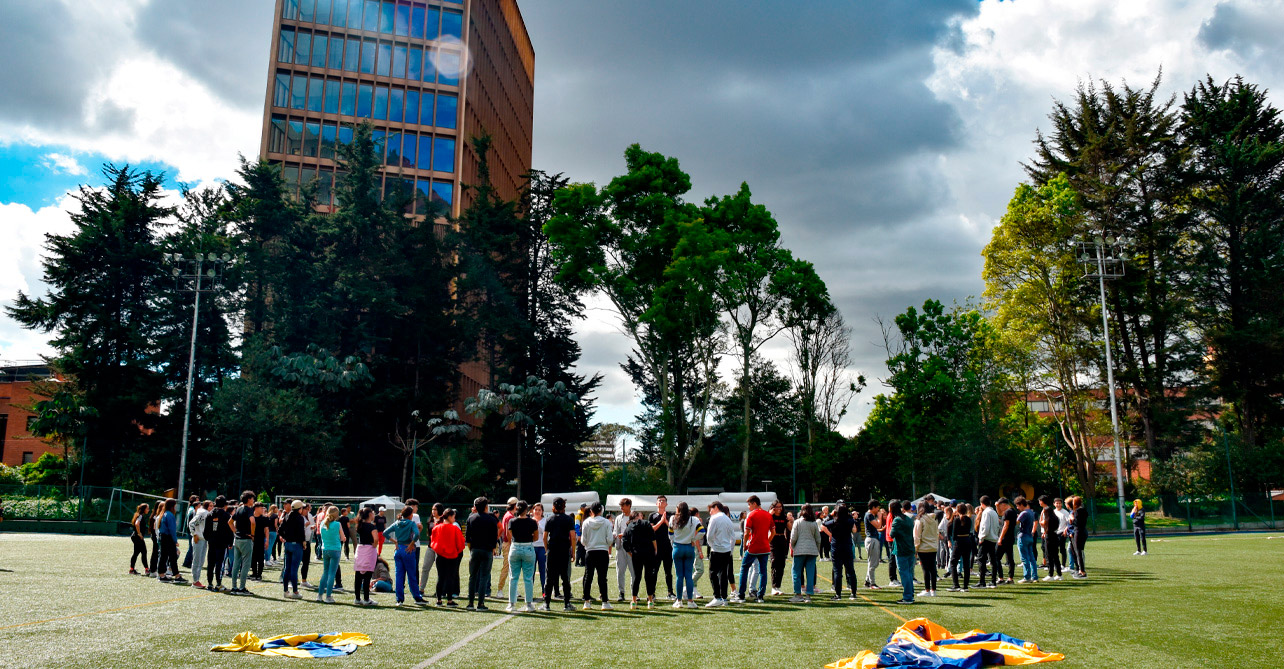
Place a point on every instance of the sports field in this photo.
(1192, 602)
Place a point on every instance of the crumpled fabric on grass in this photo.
(297, 645)
(922, 644)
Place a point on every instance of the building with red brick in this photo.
(17, 392)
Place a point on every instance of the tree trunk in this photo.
(748, 427)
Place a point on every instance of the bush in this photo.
(47, 469)
(10, 475)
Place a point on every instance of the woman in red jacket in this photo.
(448, 543)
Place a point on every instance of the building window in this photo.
(452, 25)
(290, 175)
(401, 22)
(323, 12)
(447, 110)
(1037, 406)
(380, 138)
(316, 94)
(348, 102)
(448, 66)
(443, 191)
(311, 136)
(409, 150)
(415, 63)
(425, 152)
(354, 14)
(425, 109)
(399, 61)
(290, 10)
(364, 95)
(384, 66)
(285, 48)
(368, 50)
(281, 91)
(387, 17)
(276, 135)
(412, 106)
(352, 56)
(371, 19)
(320, 48)
(328, 135)
(417, 21)
(432, 28)
(332, 96)
(325, 192)
(430, 66)
(336, 53)
(28, 457)
(307, 10)
(299, 92)
(308, 179)
(396, 102)
(381, 103)
(303, 48)
(393, 157)
(443, 154)
(345, 135)
(294, 138)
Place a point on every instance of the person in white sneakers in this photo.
(595, 535)
(624, 567)
(1138, 516)
(804, 544)
(196, 528)
(927, 541)
(721, 536)
(685, 531)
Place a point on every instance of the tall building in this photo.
(17, 392)
(427, 74)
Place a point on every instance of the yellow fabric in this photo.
(247, 642)
(1012, 654)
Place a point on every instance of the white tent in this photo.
(698, 503)
(934, 496)
(738, 502)
(391, 503)
(573, 500)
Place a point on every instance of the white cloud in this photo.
(61, 163)
(20, 269)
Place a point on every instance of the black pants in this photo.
(579, 554)
(307, 560)
(1052, 551)
(1005, 553)
(779, 556)
(155, 552)
(559, 573)
(1061, 549)
(362, 585)
(1139, 534)
(664, 553)
(169, 556)
(479, 562)
(843, 563)
(963, 561)
(214, 565)
(140, 548)
(989, 557)
(824, 550)
(645, 565)
(256, 558)
(891, 562)
(928, 560)
(720, 573)
(596, 561)
(1076, 544)
(448, 576)
(346, 541)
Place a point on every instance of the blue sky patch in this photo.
(38, 175)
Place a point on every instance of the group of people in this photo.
(237, 539)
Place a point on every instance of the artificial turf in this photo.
(1196, 601)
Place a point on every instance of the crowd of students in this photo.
(237, 539)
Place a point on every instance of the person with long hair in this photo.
(685, 532)
(639, 542)
(273, 519)
(779, 545)
(1079, 535)
(168, 532)
(541, 552)
(805, 542)
(196, 530)
(157, 512)
(141, 524)
(1138, 516)
(1050, 525)
(927, 543)
(521, 531)
(961, 536)
(429, 556)
(364, 565)
(331, 549)
(448, 544)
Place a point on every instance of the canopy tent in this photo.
(573, 500)
(736, 501)
(390, 503)
(934, 496)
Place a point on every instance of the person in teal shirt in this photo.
(331, 547)
(903, 549)
(406, 533)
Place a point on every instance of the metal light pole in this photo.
(1104, 259)
(193, 268)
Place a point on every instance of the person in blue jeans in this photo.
(903, 548)
(758, 531)
(804, 543)
(685, 532)
(331, 548)
(406, 534)
(1026, 520)
(293, 536)
(521, 555)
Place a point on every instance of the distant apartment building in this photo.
(1138, 464)
(17, 445)
(600, 453)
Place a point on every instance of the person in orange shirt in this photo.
(447, 541)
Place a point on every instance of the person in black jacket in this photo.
(218, 532)
(639, 541)
(293, 535)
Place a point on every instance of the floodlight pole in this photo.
(191, 365)
(1100, 245)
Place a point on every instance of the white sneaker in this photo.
(588, 605)
(329, 599)
(530, 608)
(713, 604)
(925, 593)
(797, 599)
(1049, 578)
(677, 604)
(606, 606)
(692, 605)
(776, 591)
(1136, 552)
(1143, 552)
(894, 584)
(509, 608)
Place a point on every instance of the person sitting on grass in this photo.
(382, 576)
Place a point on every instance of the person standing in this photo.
(153, 531)
(903, 547)
(193, 504)
(1050, 525)
(331, 531)
(624, 567)
(804, 543)
(1007, 537)
(218, 533)
(260, 542)
(141, 523)
(824, 543)
(481, 536)
(559, 539)
(294, 538)
(274, 525)
(364, 565)
(405, 532)
(685, 533)
(381, 523)
(579, 547)
(168, 532)
(1138, 516)
(721, 537)
(1063, 519)
(927, 543)
(504, 549)
(448, 545)
(541, 552)
(961, 537)
(521, 560)
(309, 532)
(759, 529)
(639, 541)
(873, 529)
(196, 530)
(988, 532)
(839, 531)
(428, 555)
(1079, 535)
(663, 547)
(243, 523)
(596, 537)
(345, 529)
(779, 545)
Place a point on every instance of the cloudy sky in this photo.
(885, 136)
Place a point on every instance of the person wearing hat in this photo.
(503, 532)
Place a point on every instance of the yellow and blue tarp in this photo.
(921, 644)
(297, 645)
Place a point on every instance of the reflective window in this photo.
(311, 136)
(401, 22)
(290, 9)
(425, 153)
(354, 14)
(281, 90)
(414, 63)
(368, 51)
(303, 48)
(323, 12)
(276, 135)
(409, 150)
(307, 179)
(336, 53)
(316, 94)
(299, 92)
(285, 48)
(363, 100)
(399, 61)
(325, 192)
(385, 60)
(307, 10)
(432, 28)
(443, 154)
(348, 103)
(396, 102)
(394, 149)
(320, 49)
(328, 135)
(332, 96)
(430, 66)
(443, 191)
(290, 174)
(412, 106)
(294, 138)
(386, 17)
(452, 25)
(371, 19)
(339, 17)
(417, 22)
(447, 110)
(381, 103)
(380, 140)
(448, 64)
(345, 135)
(423, 194)
(425, 109)
(352, 56)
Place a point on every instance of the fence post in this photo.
(1270, 503)
(1189, 527)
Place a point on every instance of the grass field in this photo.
(1192, 602)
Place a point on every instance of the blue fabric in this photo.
(905, 570)
(749, 560)
(521, 565)
(293, 558)
(805, 566)
(169, 526)
(329, 567)
(683, 566)
(407, 567)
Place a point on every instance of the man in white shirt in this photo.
(721, 536)
(1063, 514)
(595, 535)
(987, 532)
(623, 561)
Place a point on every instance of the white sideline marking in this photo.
(461, 643)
